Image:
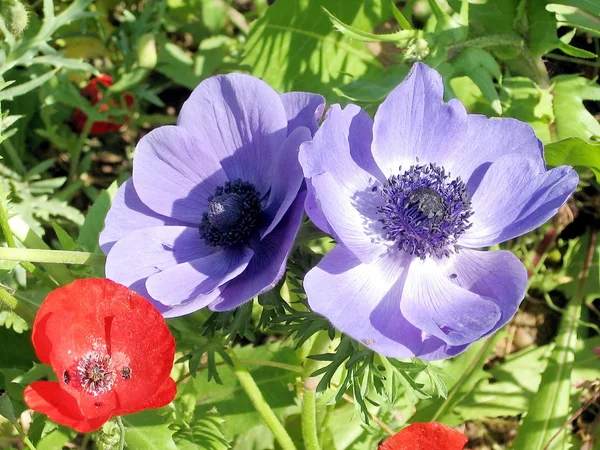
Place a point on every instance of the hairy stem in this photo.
(52, 256)
(310, 434)
(19, 308)
(258, 400)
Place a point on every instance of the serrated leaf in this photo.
(148, 430)
(574, 152)
(465, 372)
(204, 433)
(12, 321)
(365, 36)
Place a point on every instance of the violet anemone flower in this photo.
(409, 196)
(211, 211)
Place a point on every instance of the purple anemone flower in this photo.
(409, 196)
(214, 204)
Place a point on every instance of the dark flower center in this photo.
(425, 211)
(96, 373)
(233, 215)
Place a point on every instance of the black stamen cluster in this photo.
(233, 215)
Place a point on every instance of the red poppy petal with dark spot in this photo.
(48, 398)
(110, 349)
(148, 360)
(426, 436)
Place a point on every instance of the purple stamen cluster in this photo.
(96, 373)
(233, 214)
(425, 211)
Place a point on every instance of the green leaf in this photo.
(589, 6)
(495, 17)
(65, 239)
(374, 90)
(572, 117)
(148, 430)
(515, 382)
(482, 68)
(526, 101)
(57, 438)
(550, 407)
(16, 350)
(89, 233)
(24, 88)
(575, 17)
(176, 64)
(294, 47)
(542, 28)
(11, 320)
(574, 152)
(364, 36)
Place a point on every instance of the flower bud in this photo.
(17, 17)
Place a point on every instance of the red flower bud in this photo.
(110, 349)
(93, 94)
(426, 436)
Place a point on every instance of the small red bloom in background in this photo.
(93, 94)
(426, 436)
(111, 351)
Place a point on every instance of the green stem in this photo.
(258, 362)
(487, 41)
(21, 309)
(467, 376)
(310, 433)
(10, 240)
(26, 440)
(582, 62)
(76, 155)
(122, 433)
(404, 24)
(320, 345)
(52, 256)
(256, 397)
(31, 240)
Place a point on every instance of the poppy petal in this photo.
(48, 398)
(163, 396)
(426, 436)
(141, 364)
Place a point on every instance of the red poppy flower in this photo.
(93, 94)
(426, 436)
(111, 351)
